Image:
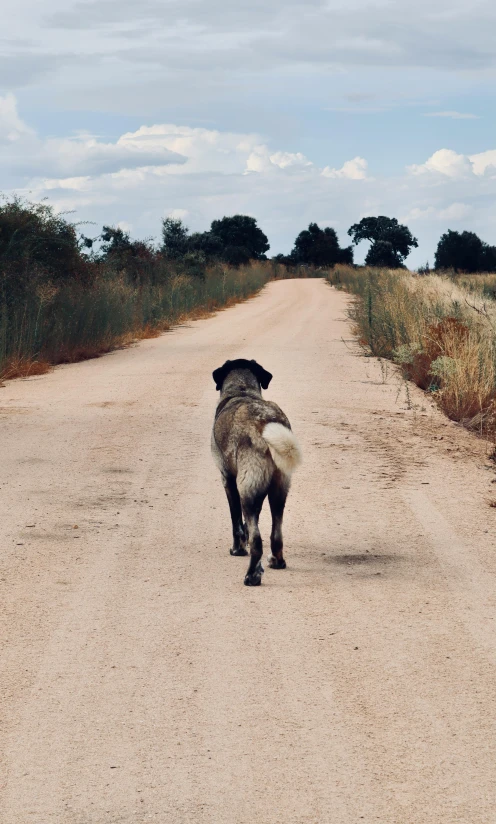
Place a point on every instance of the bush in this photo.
(137, 258)
(37, 247)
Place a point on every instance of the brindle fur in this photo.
(248, 471)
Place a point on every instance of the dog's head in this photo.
(219, 375)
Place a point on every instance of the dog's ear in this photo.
(263, 377)
(219, 374)
(261, 374)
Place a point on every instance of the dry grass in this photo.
(442, 333)
(149, 332)
(67, 324)
(24, 368)
(70, 325)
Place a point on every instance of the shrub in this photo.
(36, 247)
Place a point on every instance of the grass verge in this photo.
(441, 331)
(73, 323)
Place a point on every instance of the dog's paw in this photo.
(255, 579)
(276, 563)
(238, 552)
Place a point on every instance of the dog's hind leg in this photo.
(278, 492)
(238, 530)
(253, 479)
(252, 506)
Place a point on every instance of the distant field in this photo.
(440, 329)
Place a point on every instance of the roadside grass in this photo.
(440, 330)
(483, 285)
(73, 322)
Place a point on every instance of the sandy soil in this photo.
(141, 681)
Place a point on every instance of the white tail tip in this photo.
(283, 446)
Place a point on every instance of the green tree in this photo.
(174, 238)
(205, 243)
(137, 258)
(381, 253)
(286, 260)
(114, 241)
(36, 246)
(391, 242)
(235, 240)
(464, 252)
(320, 247)
(240, 238)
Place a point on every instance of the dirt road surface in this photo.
(142, 682)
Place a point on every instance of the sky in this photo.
(123, 113)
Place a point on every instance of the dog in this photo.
(256, 452)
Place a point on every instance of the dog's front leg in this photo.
(238, 530)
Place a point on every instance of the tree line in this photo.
(38, 246)
(238, 239)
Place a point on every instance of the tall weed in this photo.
(57, 324)
(441, 330)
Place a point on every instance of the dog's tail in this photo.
(283, 446)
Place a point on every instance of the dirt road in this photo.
(141, 681)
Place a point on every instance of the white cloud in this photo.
(88, 156)
(12, 128)
(453, 115)
(448, 163)
(262, 160)
(197, 149)
(76, 158)
(125, 226)
(178, 214)
(286, 159)
(444, 162)
(454, 212)
(355, 169)
(484, 163)
(74, 184)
